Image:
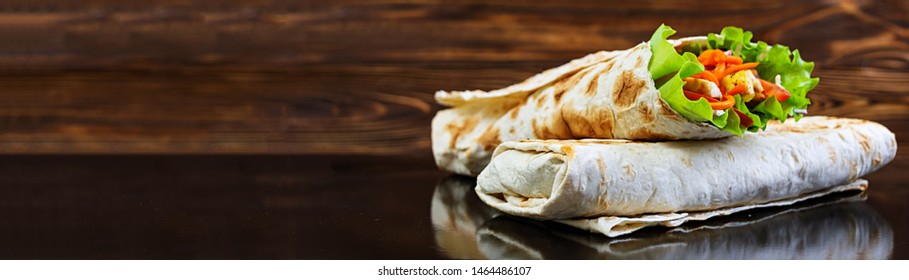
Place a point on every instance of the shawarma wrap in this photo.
(619, 186)
(704, 87)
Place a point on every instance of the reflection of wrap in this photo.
(616, 187)
(603, 95)
(827, 229)
(456, 214)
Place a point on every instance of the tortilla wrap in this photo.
(616, 186)
(605, 95)
(835, 227)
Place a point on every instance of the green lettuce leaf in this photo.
(667, 62)
(668, 68)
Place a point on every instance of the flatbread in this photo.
(605, 95)
(616, 187)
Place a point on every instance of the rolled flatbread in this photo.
(607, 95)
(617, 187)
(705, 87)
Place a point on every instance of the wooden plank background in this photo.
(357, 77)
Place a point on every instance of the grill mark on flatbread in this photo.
(803, 171)
(592, 86)
(533, 126)
(687, 162)
(863, 140)
(853, 171)
(578, 126)
(562, 128)
(567, 150)
(558, 94)
(603, 198)
(665, 109)
(588, 123)
(629, 169)
(606, 123)
(543, 130)
(564, 86)
(646, 114)
(518, 104)
(456, 130)
(490, 138)
(571, 134)
(538, 131)
(594, 83)
(538, 98)
(812, 127)
(602, 166)
(644, 133)
(627, 89)
(830, 150)
(514, 112)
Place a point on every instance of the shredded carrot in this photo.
(707, 75)
(717, 66)
(711, 57)
(719, 70)
(731, 59)
(737, 89)
(736, 68)
(727, 103)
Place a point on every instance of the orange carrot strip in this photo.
(711, 57)
(719, 71)
(731, 59)
(736, 90)
(736, 68)
(706, 75)
(727, 103)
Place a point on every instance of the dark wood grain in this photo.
(349, 77)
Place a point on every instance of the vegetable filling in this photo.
(732, 83)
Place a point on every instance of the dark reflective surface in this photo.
(844, 230)
(216, 207)
(372, 207)
(841, 226)
(457, 214)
